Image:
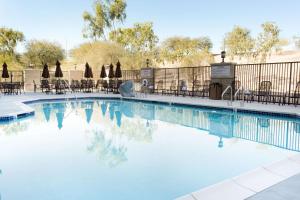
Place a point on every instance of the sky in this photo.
(61, 20)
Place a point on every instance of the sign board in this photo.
(146, 73)
(222, 71)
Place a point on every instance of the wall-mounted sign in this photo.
(222, 71)
(147, 73)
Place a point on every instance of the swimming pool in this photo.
(114, 149)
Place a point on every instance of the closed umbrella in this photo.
(58, 72)
(103, 72)
(91, 73)
(111, 71)
(118, 73)
(5, 74)
(46, 73)
(86, 71)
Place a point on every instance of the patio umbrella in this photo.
(58, 72)
(103, 72)
(111, 71)
(103, 109)
(47, 111)
(86, 71)
(5, 71)
(46, 73)
(118, 73)
(91, 73)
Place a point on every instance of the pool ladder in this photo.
(242, 102)
(231, 94)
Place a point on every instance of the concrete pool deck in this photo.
(249, 185)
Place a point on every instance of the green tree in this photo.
(140, 38)
(40, 52)
(267, 40)
(239, 42)
(139, 42)
(97, 53)
(187, 51)
(9, 39)
(106, 15)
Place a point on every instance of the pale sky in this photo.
(61, 20)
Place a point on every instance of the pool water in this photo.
(112, 149)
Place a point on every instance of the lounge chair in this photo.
(45, 86)
(201, 89)
(117, 85)
(60, 87)
(173, 88)
(264, 92)
(90, 85)
(296, 94)
(159, 87)
(111, 86)
(183, 90)
(75, 86)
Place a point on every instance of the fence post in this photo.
(193, 87)
(290, 82)
(259, 80)
(165, 78)
(178, 80)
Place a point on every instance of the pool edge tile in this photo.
(227, 188)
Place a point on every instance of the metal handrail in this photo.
(229, 87)
(238, 91)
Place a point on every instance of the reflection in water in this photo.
(107, 149)
(135, 120)
(60, 109)
(103, 108)
(89, 106)
(281, 132)
(47, 111)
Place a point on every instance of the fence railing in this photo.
(283, 77)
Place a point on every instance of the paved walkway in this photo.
(286, 190)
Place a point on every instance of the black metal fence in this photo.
(283, 78)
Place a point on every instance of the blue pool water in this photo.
(111, 149)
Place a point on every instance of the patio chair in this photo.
(159, 87)
(75, 86)
(117, 85)
(183, 90)
(98, 85)
(296, 94)
(173, 88)
(45, 86)
(104, 85)
(83, 85)
(90, 85)
(201, 90)
(110, 87)
(60, 87)
(264, 92)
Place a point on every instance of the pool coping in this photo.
(240, 187)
